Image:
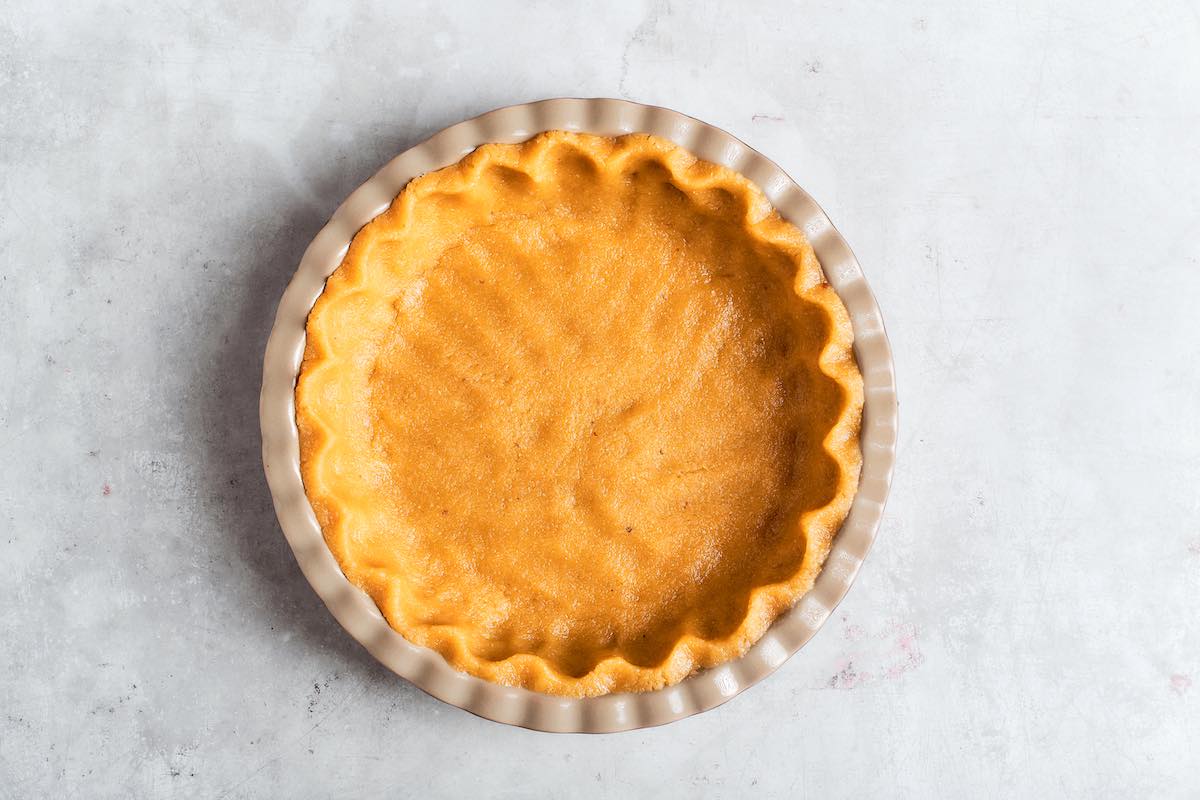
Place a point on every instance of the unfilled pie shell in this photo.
(581, 414)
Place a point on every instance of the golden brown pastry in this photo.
(581, 414)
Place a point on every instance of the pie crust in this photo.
(581, 414)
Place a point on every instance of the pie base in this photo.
(581, 414)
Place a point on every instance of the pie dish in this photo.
(580, 413)
(719, 629)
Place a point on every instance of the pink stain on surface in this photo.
(848, 677)
(106, 490)
(854, 633)
(893, 650)
(907, 655)
(1194, 547)
(1180, 683)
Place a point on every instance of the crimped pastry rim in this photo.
(427, 669)
(320, 418)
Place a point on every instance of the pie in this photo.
(581, 414)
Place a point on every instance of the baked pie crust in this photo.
(581, 414)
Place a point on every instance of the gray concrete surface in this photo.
(1022, 184)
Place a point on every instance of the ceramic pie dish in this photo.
(359, 614)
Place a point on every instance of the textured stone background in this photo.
(1022, 185)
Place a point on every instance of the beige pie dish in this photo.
(357, 613)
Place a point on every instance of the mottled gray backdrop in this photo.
(1022, 184)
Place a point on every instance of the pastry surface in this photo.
(581, 413)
